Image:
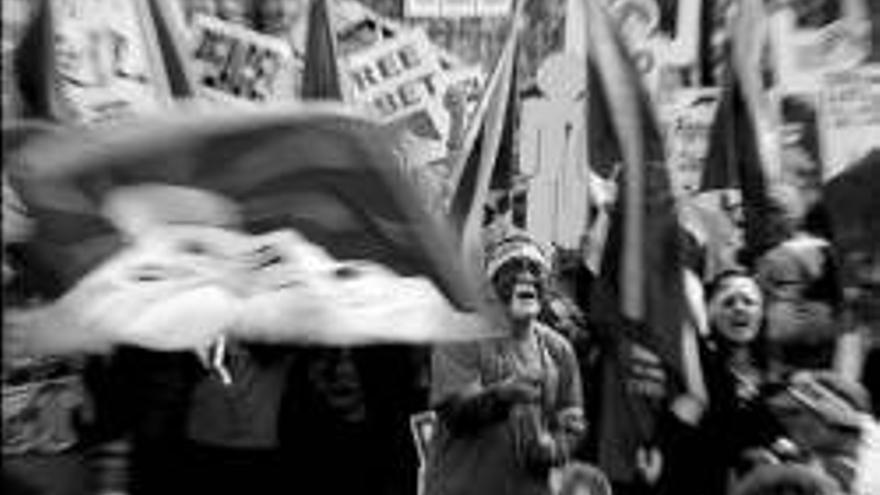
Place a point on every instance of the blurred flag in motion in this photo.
(292, 224)
(739, 159)
(486, 156)
(637, 301)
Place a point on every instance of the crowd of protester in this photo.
(511, 415)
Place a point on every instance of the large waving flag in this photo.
(290, 225)
(485, 158)
(738, 158)
(321, 77)
(638, 299)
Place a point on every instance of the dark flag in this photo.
(637, 300)
(321, 77)
(485, 160)
(36, 69)
(735, 160)
(170, 38)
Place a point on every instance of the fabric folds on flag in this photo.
(736, 158)
(637, 299)
(485, 160)
(733, 162)
(316, 169)
(321, 77)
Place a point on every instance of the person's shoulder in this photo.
(553, 338)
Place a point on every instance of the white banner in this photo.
(849, 114)
(236, 64)
(108, 61)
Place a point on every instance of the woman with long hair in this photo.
(716, 440)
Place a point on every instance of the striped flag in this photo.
(321, 78)
(325, 175)
(485, 160)
(637, 300)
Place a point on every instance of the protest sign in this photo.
(687, 120)
(422, 8)
(397, 77)
(107, 58)
(804, 55)
(849, 117)
(457, 8)
(236, 64)
(469, 82)
(662, 38)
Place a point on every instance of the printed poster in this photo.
(108, 59)
(687, 121)
(236, 64)
(849, 117)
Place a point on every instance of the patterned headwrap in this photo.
(511, 253)
(515, 245)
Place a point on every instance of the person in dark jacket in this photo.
(344, 419)
(710, 442)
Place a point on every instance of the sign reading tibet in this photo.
(236, 64)
(398, 77)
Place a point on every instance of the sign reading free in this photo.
(398, 77)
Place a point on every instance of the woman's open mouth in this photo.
(525, 293)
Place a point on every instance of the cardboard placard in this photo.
(849, 116)
(236, 64)
(659, 46)
(109, 65)
(804, 55)
(397, 77)
(687, 121)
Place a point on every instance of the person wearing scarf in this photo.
(509, 409)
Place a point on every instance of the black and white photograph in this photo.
(440, 247)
